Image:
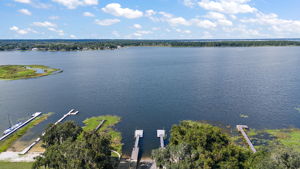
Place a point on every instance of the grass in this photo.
(15, 165)
(14, 72)
(287, 137)
(107, 127)
(5, 144)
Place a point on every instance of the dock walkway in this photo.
(135, 150)
(240, 128)
(71, 112)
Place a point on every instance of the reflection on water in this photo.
(154, 88)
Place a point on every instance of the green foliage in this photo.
(278, 157)
(57, 134)
(66, 150)
(5, 144)
(199, 145)
(14, 72)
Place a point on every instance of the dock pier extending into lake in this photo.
(135, 150)
(71, 112)
(240, 128)
(35, 115)
(161, 134)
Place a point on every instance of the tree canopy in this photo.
(68, 147)
(199, 145)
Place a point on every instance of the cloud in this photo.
(207, 24)
(116, 10)
(189, 3)
(274, 23)
(106, 22)
(183, 31)
(227, 6)
(141, 33)
(24, 1)
(44, 24)
(18, 30)
(178, 21)
(25, 11)
(88, 14)
(220, 18)
(73, 36)
(72, 4)
(137, 26)
(59, 31)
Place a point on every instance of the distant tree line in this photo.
(73, 45)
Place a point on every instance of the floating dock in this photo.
(35, 115)
(161, 134)
(135, 150)
(240, 128)
(71, 112)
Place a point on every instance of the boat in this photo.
(12, 128)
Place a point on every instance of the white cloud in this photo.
(60, 32)
(189, 3)
(72, 4)
(183, 31)
(107, 22)
(25, 11)
(116, 10)
(141, 33)
(73, 36)
(178, 21)
(18, 30)
(88, 14)
(207, 24)
(137, 26)
(220, 18)
(44, 24)
(24, 1)
(274, 23)
(227, 6)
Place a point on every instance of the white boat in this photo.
(12, 128)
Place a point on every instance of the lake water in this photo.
(153, 88)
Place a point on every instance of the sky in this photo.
(149, 19)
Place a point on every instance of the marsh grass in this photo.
(107, 127)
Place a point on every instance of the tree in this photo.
(73, 149)
(276, 156)
(57, 134)
(199, 145)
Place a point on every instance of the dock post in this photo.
(240, 128)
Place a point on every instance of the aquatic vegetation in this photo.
(244, 116)
(14, 72)
(110, 122)
(5, 144)
(287, 137)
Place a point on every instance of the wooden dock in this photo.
(135, 150)
(240, 128)
(99, 125)
(161, 134)
(71, 112)
(22, 125)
